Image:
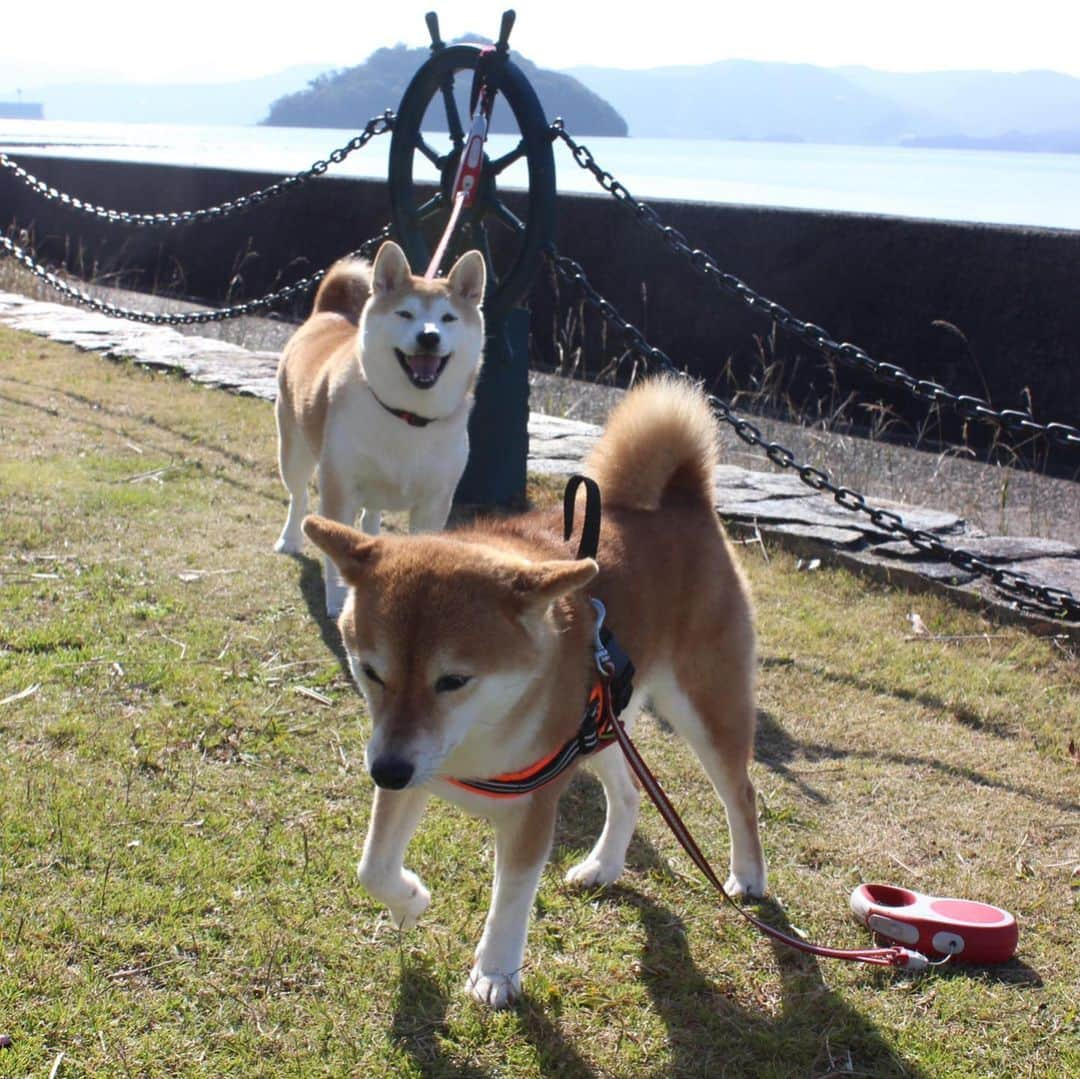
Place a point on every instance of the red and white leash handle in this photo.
(470, 164)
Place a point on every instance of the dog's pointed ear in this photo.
(468, 277)
(351, 551)
(391, 268)
(541, 583)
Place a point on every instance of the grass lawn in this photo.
(182, 803)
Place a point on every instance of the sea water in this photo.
(1041, 190)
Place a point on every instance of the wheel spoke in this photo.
(479, 234)
(507, 216)
(516, 154)
(428, 152)
(431, 207)
(453, 119)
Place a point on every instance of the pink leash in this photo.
(896, 956)
(471, 163)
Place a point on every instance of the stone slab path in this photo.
(756, 505)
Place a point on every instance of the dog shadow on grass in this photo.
(714, 1025)
(420, 1028)
(713, 1029)
(420, 1024)
(781, 753)
(314, 593)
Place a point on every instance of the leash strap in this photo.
(886, 957)
(451, 224)
(589, 544)
(471, 163)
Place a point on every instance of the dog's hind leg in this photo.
(296, 463)
(605, 861)
(523, 836)
(394, 817)
(716, 716)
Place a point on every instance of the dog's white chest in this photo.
(392, 464)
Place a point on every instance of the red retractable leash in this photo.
(933, 926)
(966, 931)
(894, 956)
(471, 163)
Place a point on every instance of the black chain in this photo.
(378, 125)
(188, 318)
(1055, 602)
(1013, 421)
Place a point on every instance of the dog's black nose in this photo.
(391, 772)
(428, 339)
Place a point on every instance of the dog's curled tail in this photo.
(345, 289)
(659, 445)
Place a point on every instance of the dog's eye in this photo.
(449, 318)
(370, 675)
(451, 682)
(407, 315)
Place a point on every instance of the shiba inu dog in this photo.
(376, 389)
(473, 649)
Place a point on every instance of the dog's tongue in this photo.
(424, 367)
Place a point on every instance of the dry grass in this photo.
(183, 804)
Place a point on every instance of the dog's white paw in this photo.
(493, 990)
(287, 544)
(407, 912)
(752, 883)
(593, 872)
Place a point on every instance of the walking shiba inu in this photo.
(473, 649)
(376, 389)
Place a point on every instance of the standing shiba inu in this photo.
(473, 649)
(376, 388)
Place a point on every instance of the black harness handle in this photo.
(590, 528)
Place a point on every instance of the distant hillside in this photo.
(742, 99)
(347, 98)
(183, 103)
(1045, 142)
(982, 104)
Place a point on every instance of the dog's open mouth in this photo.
(423, 368)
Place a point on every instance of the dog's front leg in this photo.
(522, 843)
(394, 817)
(340, 502)
(430, 516)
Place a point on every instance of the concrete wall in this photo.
(880, 282)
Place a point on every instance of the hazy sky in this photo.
(204, 41)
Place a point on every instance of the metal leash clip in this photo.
(603, 657)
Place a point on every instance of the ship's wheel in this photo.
(429, 135)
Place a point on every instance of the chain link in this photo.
(186, 318)
(378, 125)
(1055, 602)
(969, 408)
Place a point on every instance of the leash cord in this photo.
(471, 163)
(887, 957)
(895, 956)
